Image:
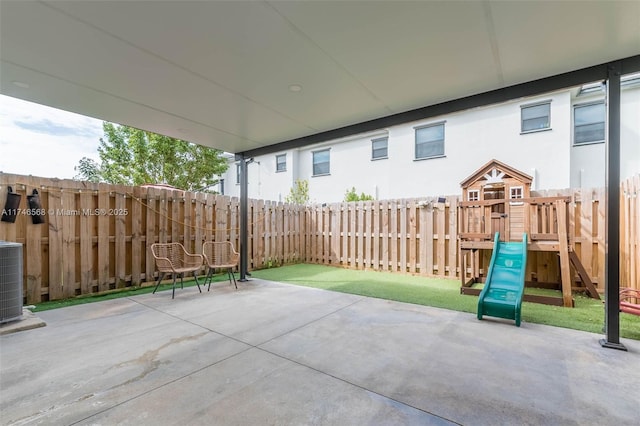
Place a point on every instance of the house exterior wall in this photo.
(630, 133)
(471, 138)
(588, 162)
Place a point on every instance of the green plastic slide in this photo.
(504, 288)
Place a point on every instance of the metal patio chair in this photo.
(173, 258)
(220, 255)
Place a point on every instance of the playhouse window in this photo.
(535, 117)
(281, 163)
(473, 195)
(430, 141)
(379, 148)
(589, 123)
(516, 192)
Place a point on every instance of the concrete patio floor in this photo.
(277, 354)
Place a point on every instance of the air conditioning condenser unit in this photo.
(10, 281)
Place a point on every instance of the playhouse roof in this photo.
(502, 167)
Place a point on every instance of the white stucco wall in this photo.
(351, 166)
(472, 138)
(588, 162)
(630, 133)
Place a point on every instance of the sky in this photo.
(42, 141)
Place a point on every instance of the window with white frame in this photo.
(321, 162)
(379, 148)
(281, 163)
(473, 195)
(238, 173)
(589, 123)
(516, 192)
(429, 141)
(535, 117)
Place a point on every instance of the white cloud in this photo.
(42, 141)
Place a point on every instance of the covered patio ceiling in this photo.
(241, 76)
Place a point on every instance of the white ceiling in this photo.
(218, 73)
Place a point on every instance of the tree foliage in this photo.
(132, 156)
(352, 195)
(299, 192)
(88, 170)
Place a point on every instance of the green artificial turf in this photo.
(588, 314)
(124, 292)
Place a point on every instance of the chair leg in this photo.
(209, 278)
(158, 283)
(173, 295)
(230, 271)
(197, 283)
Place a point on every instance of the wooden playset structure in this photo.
(497, 198)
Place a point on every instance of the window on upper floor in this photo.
(535, 117)
(321, 162)
(429, 141)
(238, 173)
(473, 195)
(589, 123)
(589, 88)
(379, 148)
(626, 81)
(281, 163)
(630, 80)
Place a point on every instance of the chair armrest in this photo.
(193, 260)
(164, 265)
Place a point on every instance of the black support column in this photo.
(612, 246)
(244, 216)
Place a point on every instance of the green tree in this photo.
(88, 170)
(299, 192)
(352, 195)
(132, 156)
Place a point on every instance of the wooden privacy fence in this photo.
(96, 237)
(409, 236)
(630, 233)
(422, 236)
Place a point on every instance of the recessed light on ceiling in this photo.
(21, 84)
(295, 88)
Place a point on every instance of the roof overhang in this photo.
(224, 74)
